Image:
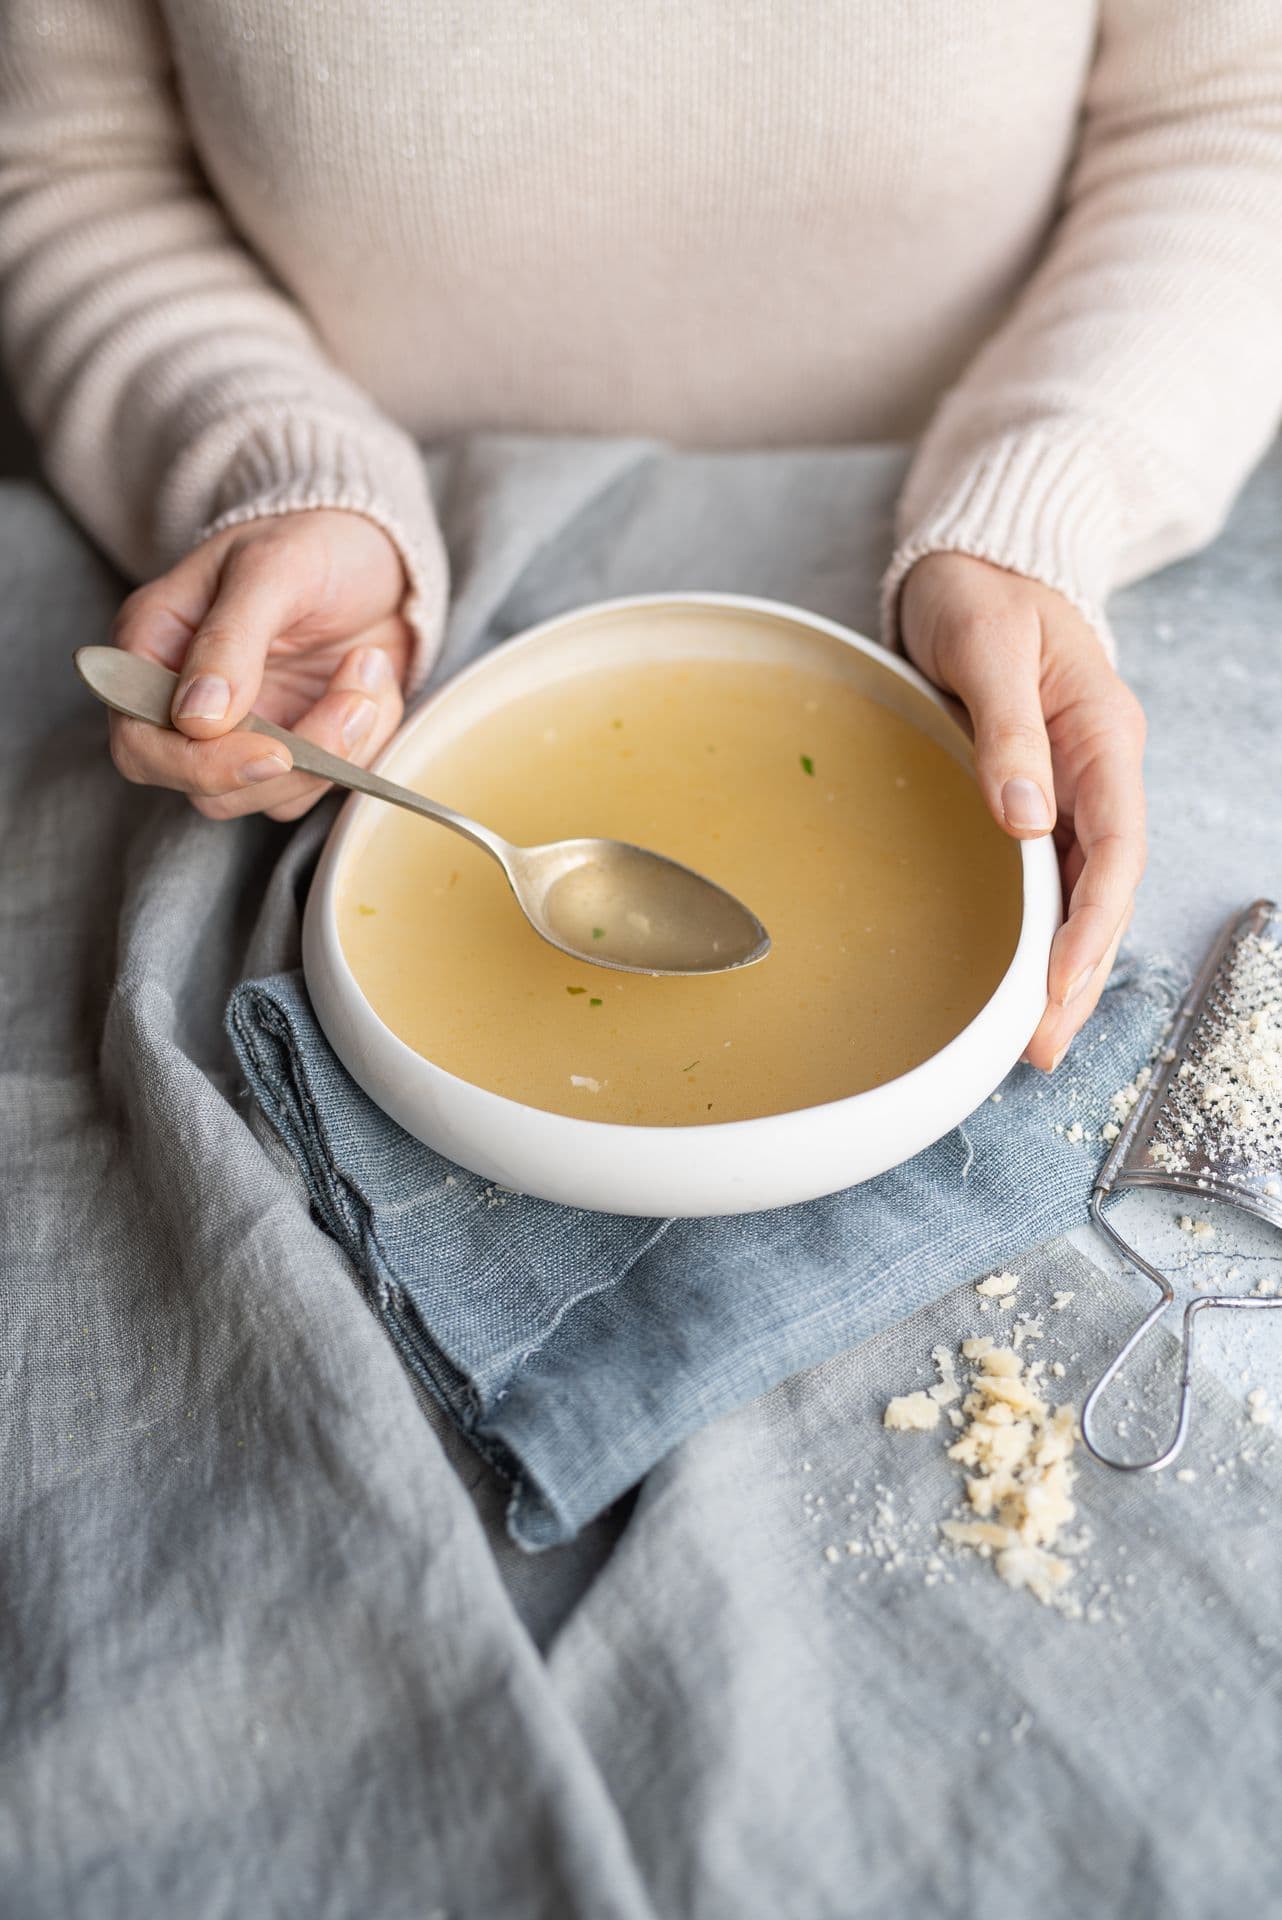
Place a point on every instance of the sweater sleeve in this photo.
(1105, 427)
(172, 388)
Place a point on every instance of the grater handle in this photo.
(1200, 1305)
(1124, 1353)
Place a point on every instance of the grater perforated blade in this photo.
(1207, 1122)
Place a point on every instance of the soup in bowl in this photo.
(818, 778)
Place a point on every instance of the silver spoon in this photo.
(603, 901)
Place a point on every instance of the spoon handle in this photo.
(144, 690)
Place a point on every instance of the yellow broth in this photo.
(892, 899)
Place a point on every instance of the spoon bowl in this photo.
(624, 907)
(601, 901)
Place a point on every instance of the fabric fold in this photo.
(575, 1349)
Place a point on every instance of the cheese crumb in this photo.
(1110, 1131)
(1198, 1229)
(1016, 1453)
(1061, 1300)
(947, 1389)
(1126, 1099)
(1027, 1327)
(998, 1286)
(1057, 1368)
(1186, 1475)
(911, 1413)
(1041, 1572)
(1075, 1133)
(1017, 1450)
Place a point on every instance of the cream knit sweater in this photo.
(253, 251)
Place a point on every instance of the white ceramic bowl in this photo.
(739, 1166)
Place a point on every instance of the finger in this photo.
(1100, 902)
(159, 619)
(354, 718)
(159, 757)
(1110, 827)
(1059, 1026)
(995, 668)
(257, 597)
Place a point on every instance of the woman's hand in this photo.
(297, 617)
(1059, 741)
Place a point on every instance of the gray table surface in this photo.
(709, 1629)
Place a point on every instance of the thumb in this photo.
(999, 680)
(223, 670)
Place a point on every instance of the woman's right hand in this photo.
(297, 617)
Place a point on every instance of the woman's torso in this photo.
(715, 220)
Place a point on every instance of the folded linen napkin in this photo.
(574, 1349)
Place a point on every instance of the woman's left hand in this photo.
(1059, 743)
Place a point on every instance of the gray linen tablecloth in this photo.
(574, 1349)
(263, 1648)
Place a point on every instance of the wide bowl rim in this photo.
(342, 1007)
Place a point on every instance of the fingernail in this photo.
(1058, 1057)
(1076, 984)
(374, 669)
(1024, 805)
(268, 768)
(207, 697)
(358, 722)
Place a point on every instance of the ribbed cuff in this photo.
(284, 463)
(1039, 502)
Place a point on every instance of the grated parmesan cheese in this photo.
(1126, 1099)
(1016, 1449)
(1198, 1229)
(1226, 1100)
(911, 1413)
(947, 1388)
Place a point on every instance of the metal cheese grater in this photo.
(1207, 1125)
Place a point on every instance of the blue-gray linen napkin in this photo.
(574, 1349)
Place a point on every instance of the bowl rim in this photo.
(322, 942)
